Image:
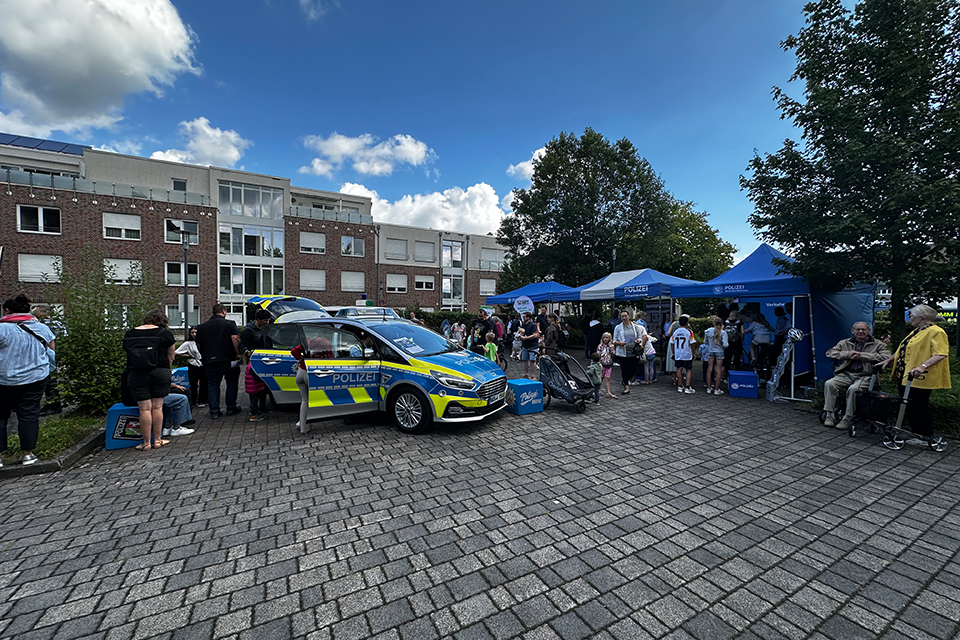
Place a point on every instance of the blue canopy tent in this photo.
(649, 283)
(536, 291)
(823, 316)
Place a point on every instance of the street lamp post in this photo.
(185, 238)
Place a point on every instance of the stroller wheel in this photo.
(894, 441)
(938, 443)
(581, 406)
(546, 396)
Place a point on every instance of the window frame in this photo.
(322, 249)
(323, 271)
(40, 220)
(417, 282)
(194, 237)
(493, 292)
(123, 230)
(132, 261)
(179, 180)
(363, 287)
(396, 288)
(392, 255)
(353, 245)
(52, 277)
(166, 273)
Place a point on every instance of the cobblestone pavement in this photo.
(655, 515)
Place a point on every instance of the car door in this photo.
(274, 364)
(343, 379)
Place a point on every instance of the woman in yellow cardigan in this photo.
(922, 354)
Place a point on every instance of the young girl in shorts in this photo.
(606, 351)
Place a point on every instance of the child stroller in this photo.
(876, 407)
(559, 382)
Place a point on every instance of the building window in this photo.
(352, 281)
(173, 228)
(175, 274)
(251, 240)
(179, 185)
(492, 259)
(488, 287)
(313, 280)
(122, 271)
(250, 200)
(350, 246)
(173, 312)
(423, 283)
(313, 242)
(38, 268)
(38, 219)
(251, 279)
(396, 283)
(453, 254)
(396, 249)
(424, 252)
(452, 287)
(123, 226)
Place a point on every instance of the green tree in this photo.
(695, 250)
(587, 197)
(873, 190)
(96, 314)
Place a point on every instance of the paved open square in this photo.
(653, 515)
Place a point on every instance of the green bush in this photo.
(56, 436)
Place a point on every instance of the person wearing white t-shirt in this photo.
(682, 341)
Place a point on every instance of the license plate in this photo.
(495, 399)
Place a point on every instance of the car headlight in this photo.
(452, 381)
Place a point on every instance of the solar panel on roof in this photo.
(29, 143)
(75, 149)
(51, 145)
(6, 138)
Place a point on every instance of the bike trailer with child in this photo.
(559, 382)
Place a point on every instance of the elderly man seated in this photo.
(855, 358)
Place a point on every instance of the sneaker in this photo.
(216, 416)
(297, 425)
(830, 422)
(709, 390)
(689, 390)
(717, 392)
(29, 459)
(843, 425)
(179, 431)
(679, 389)
(258, 418)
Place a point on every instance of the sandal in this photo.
(625, 391)
(610, 395)
(143, 446)
(160, 443)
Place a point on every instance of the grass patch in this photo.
(56, 436)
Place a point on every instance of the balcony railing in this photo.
(40, 182)
(334, 216)
(491, 265)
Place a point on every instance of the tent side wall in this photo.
(834, 312)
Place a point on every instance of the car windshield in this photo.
(368, 311)
(286, 305)
(415, 340)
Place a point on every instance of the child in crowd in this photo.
(606, 352)
(704, 354)
(595, 375)
(490, 348)
(715, 339)
(682, 341)
(517, 344)
(456, 333)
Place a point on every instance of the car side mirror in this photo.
(368, 353)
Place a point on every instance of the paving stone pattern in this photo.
(655, 515)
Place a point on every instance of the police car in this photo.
(356, 366)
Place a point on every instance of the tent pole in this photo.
(813, 347)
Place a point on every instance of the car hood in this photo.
(465, 362)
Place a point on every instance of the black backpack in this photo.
(733, 333)
(143, 352)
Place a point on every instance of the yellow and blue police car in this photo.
(356, 366)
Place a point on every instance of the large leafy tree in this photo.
(587, 197)
(873, 190)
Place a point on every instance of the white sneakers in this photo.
(689, 390)
(29, 459)
(178, 431)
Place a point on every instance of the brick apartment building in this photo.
(248, 234)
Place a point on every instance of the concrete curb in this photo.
(63, 461)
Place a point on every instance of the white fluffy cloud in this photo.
(524, 170)
(475, 209)
(206, 145)
(68, 65)
(366, 155)
(313, 10)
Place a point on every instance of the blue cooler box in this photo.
(180, 377)
(123, 427)
(524, 396)
(743, 384)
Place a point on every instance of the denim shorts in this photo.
(529, 354)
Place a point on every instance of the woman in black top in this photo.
(150, 350)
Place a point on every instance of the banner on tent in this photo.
(523, 304)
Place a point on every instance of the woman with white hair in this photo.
(923, 356)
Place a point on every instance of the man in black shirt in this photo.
(219, 343)
(542, 322)
(479, 330)
(252, 337)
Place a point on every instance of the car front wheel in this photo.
(410, 411)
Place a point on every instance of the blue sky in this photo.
(432, 108)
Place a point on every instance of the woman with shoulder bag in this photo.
(150, 351)
(625, 336)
